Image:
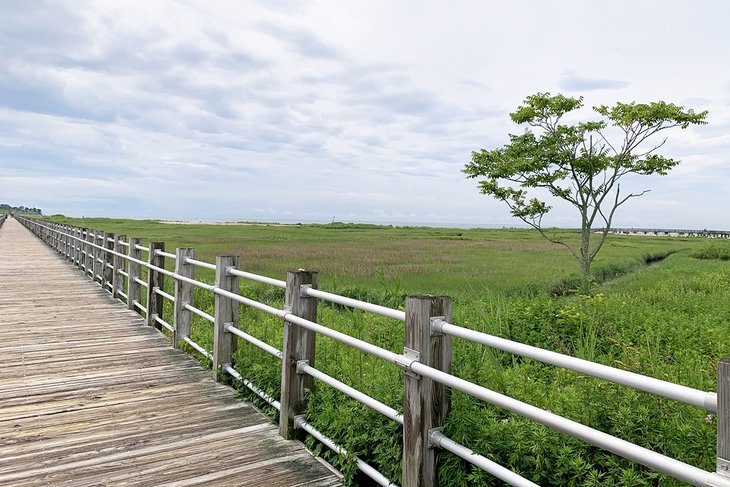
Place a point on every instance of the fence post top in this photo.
(427, 297)
(301, 271)
(225, 258)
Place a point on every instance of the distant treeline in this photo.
(6, 208)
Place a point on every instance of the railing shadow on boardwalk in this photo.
(113, 260)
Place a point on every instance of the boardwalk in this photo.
(89, 395)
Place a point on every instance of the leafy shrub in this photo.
(712, 251)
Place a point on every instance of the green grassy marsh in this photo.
(665, 320)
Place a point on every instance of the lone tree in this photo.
(581, 163)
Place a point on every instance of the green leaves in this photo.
(577, 162)
(651, 114)
(542, 106)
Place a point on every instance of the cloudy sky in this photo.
(355, 110)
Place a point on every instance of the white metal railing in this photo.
(78, 244)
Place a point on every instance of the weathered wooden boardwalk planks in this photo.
(89, 395)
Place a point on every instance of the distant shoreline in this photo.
(379, 224)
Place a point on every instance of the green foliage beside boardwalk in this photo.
(666, 319)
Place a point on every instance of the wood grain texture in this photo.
(226, 311)
(723, 411)
(155, 280)
(426, 403)
(89, 395)
(298, 344)
(184, 294)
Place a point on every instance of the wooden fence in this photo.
(112, 260)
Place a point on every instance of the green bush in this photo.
(713, 251)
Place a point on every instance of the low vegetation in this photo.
(652, 308)
(713, 251)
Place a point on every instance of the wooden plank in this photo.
(89, 395)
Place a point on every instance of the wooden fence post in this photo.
(184, 293)
(299, 345)
(118, 263)
(107, 272)
(134, 289)
(155, 280)
(61, 239)
(81, 234)
(67, 243)
(80, 250)
(75, 249)
(723, 417)
(97, 253)
(89, 268)
(226, 311)
(425, 402)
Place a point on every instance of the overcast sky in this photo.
(353, 110)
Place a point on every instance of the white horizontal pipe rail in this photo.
(688, 395)
(656, 461)
(164, 323)
(165, 295)
(378, 477)
(270, 400)
(255, 277)
(384, 409)
(437, 439)
(200, 263)
(165, 254)
(197, 347)
(254, 341)
(139, 305)
(199, 312)
(355, 303)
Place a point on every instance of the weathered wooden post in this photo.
(184, 292)
(97, 253)
(425, 402)
(107, 269)
(155, 280)
(67, 240)
(723, 417)
(134, 289)
(226, 312)
(80, 233)
(89, 268)
(299, 345)
(118, 262)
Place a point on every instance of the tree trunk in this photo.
(585, 255)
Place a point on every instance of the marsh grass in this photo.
(667, 320)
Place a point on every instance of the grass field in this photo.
(667, 320)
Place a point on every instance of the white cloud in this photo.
(302, 110)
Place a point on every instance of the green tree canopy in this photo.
(580, 163)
